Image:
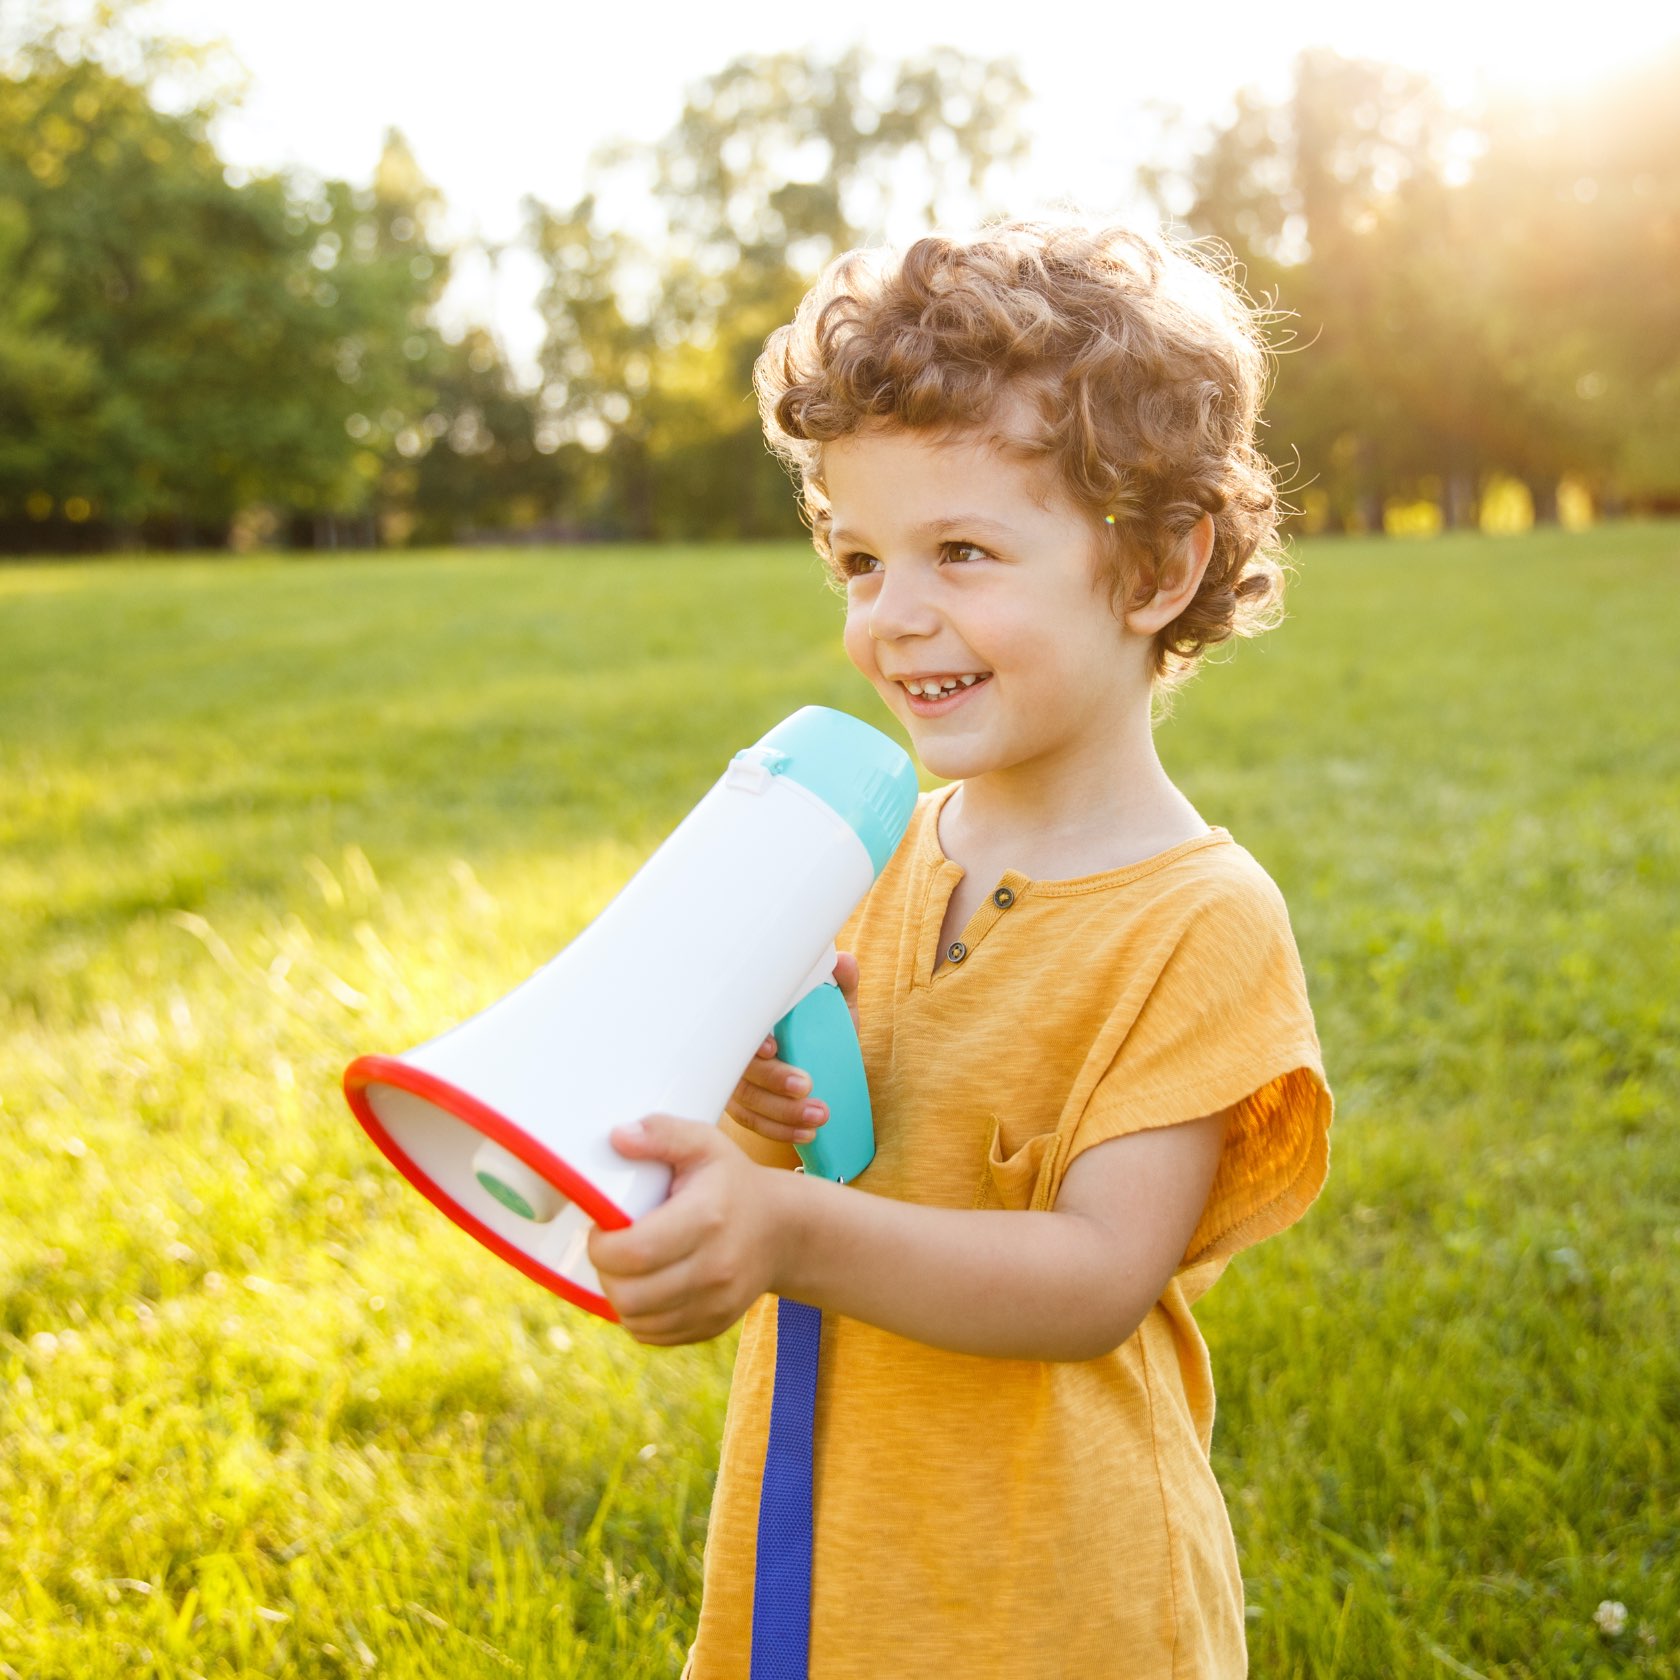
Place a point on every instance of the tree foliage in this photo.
(177, 343)
(189, 353)
(774, 165)
(1475, 293)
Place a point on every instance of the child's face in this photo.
(970, 569)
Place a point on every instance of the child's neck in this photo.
(1056, 826)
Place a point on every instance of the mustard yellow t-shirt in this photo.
(979, 1516)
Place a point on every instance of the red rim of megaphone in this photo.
(389, 1070)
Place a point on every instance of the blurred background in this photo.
(301, 278)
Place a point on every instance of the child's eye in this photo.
(964, 551)
(857, 565)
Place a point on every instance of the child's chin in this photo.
(945, 760)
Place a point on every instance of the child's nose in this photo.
(901, 606)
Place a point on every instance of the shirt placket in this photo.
(998, 903)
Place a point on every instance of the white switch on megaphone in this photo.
(503, 1122)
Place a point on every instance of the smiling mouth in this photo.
(934, 696)
(936, 688)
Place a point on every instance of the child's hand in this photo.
(773, 1098)
(690, 1268)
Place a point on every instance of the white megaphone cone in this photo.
(503, 1122)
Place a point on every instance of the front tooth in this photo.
(914, 687)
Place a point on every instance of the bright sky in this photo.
(500, 98)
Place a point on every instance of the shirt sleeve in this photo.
(1227, 1025)
(765, 1151)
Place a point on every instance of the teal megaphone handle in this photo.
(817, 1035)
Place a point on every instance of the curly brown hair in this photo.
(1143, 359)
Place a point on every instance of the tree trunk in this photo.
(1543, 492)
(1458, 501)
(638, 493)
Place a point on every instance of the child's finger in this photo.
(846, 978)
(787, 1119)
(800, 1128)
(779, 1078)
(785, 1099)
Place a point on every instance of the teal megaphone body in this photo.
(727, 931)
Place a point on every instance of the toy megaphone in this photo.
(656, 1007)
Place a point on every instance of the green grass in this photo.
(263, 1412)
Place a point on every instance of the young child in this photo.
(1094, 1072)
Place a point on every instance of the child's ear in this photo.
(1175, 583)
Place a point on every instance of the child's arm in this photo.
(1069, 1284)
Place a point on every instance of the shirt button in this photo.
(956, 951)
(1003, 898)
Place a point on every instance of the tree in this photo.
(137, 257)
(1582, 193)
(178, 343)
(1338, 203)
(596, 361)
(486, 469)
(775, 164)
(1477, 292)
(371, 261)
(46, 388)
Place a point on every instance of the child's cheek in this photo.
(859, 644)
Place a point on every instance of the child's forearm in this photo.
(1010, 1285)
(1066, 1285)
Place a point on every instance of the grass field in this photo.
(262, 1412)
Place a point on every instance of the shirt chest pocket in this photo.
(1021, 1178)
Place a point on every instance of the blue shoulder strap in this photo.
(781, 1631)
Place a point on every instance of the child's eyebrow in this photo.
(942, 526)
